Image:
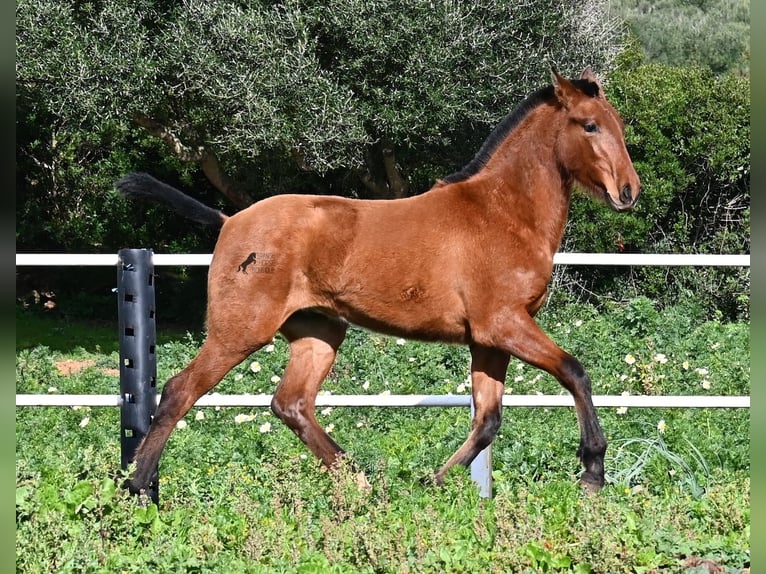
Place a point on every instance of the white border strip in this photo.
(263, 400)
(162, 259)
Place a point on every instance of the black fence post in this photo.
(138, 361)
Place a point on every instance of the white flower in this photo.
(400, 342)
(327, 411)
(265, 427)
(622, 410)
(661, 426)
(385, 393)
(661, 358)
(366, 385)
(360, 424)
(242, 418)
(685, 365)
(52, 390)
(181, 424)
(200, 416)
(702, 372)
(518, 378)
(412, 359)
(255, 366)
(630, 359)
(706, 385)
(275, 379)
(269, 348)
(329, 428)
(84, 422)
(238, 377)
(578, 323)
(461, 388)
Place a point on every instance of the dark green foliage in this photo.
(362, 99)
(688, 133)
(301, 96)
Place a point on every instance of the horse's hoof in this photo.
(362, 483)
(591, 484)
(436, 480)
(129, 485)
(144, 494)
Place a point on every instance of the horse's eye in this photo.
(591, 127)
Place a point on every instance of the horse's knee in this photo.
(486, 429)
(289, 411)
(574, 374)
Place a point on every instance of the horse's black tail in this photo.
(145, 186)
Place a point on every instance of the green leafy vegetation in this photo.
(714, 34)
(240, 493)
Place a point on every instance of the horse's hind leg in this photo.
(314, 341)
(180, 393)
(488, 368)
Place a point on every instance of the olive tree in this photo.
(373, 98)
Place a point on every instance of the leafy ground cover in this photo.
(240, 493)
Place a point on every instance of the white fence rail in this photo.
(328, 400)
(481, 467)
(197, 259)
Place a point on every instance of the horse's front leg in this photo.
(527, 341)
(488, 368)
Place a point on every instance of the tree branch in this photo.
(207, 160)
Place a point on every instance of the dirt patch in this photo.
(71, 367)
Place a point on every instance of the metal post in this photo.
(481, 468)
(138, 362)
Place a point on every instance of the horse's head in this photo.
(591, 143)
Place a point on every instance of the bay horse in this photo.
(467, 262)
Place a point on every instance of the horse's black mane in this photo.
(507, 125)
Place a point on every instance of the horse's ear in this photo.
(590, 76)
(563, 88)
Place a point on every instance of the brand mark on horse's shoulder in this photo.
(247, 262)
(262, 262)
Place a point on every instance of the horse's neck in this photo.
(523, 183)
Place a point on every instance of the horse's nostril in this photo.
(626, 195)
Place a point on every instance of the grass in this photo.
(248, 497)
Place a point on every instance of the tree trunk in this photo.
(383, 178)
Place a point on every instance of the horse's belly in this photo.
(407, 313)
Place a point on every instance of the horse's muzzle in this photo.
(626, 194)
